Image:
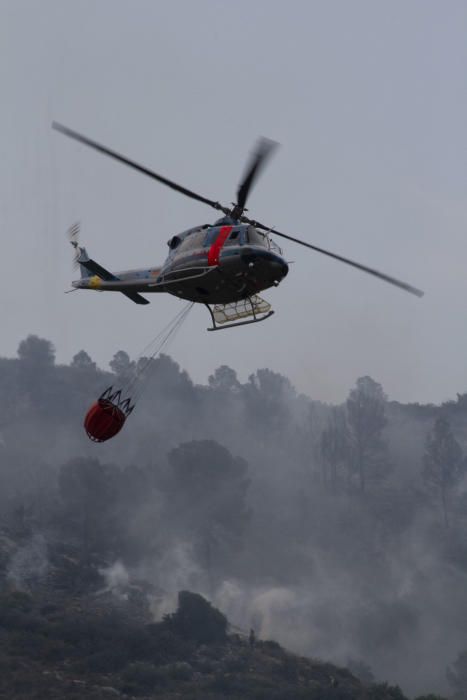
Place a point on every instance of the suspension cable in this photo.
(155, 347)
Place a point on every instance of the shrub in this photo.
(178, 671)
(142, 675)
(17, 600)
(108, 661)
(383, 691)
(271, 647)
(197, 619)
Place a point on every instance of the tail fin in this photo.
(90, 268)
(80, 256)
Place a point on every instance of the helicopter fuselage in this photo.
(222, 264)
(210, 264)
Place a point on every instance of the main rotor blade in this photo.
(263, 152)
(381, 275)
(140, 168)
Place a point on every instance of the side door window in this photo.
(234, 238)
(211, 236)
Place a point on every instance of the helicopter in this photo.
(224, 265)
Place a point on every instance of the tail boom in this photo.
(94, 276)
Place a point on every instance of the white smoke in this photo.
(117, 580)
(174, 571)
(29, 564)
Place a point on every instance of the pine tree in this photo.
(334, 446)
(443, 462)
(366, 419)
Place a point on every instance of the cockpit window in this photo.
(211, 236)
(234, 238)
(238, 236)
(254, 237)
(174, 242)
(193, 240)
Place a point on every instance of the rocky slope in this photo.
(63, 635)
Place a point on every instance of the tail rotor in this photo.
(73, 237)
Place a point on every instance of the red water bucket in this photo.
(107, 416)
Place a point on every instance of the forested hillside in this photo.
(338, 531)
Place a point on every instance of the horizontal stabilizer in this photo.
(94, 268)
(137, 298)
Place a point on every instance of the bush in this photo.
(26, 644)
(93, 633)
(271, 647)
(178, 671)
(142, 676)
(54, 650)
(237, 664)
(383, 691)
(108, 661)
(197, 619)
(159, 645)
(289, 668)
(16, 600)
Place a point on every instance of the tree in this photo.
(208, 491)
(443, 462)
(457, 676)
(361, 670)
(334, 445)
(224, 379)
(82, 361)
(87, 489)
(171, 379)
(121, 364)
(197, 619)
(36, 363)
(366, 419)
(138, 499)
(383, 691)
(36, 352)
(268, 397)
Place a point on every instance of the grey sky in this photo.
(369, 101)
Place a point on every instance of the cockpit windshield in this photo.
(240, 235)
(235, 237)
(254, 237)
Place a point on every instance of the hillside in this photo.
(70, 637)
(321, 527)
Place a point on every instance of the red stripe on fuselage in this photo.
(216, 247)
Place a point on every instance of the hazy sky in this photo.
(369, 102)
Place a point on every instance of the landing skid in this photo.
(253, 306)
